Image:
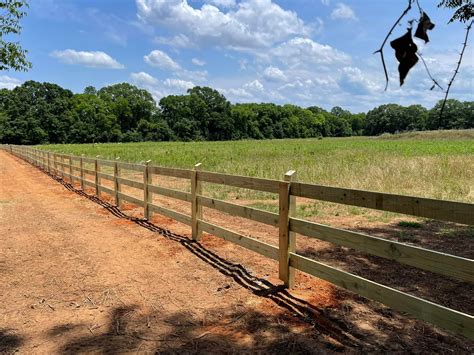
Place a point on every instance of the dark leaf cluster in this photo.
(12, 55)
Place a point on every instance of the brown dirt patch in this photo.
(77, 274)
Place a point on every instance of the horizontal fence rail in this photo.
(87, 172)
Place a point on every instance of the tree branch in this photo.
(468, 29)
(429, 74)
(380, 50)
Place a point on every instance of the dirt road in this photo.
(76, 274)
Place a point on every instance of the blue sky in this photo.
(304, 52)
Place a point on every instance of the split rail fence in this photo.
(73, 167)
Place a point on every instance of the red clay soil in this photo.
(79, 275)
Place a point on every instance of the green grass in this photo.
(409, 224)
(436, 165)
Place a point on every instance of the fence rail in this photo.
(288, 224)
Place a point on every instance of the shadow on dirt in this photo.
(9, 342)
(236, 332)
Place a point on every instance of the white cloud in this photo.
(179, 84)
(198, 62)
(254, 86)
(326, 2)
(92, 59)
(355, 81)
(161, 60)
(7, 82)
(237, 95)
(180, 41)
(274, 74)
(254, 24)
(342, 11)
(306, 52)
(196, 75)
(222, 3)
(143, 78)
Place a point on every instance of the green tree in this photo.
(457, 115)
(245, 121)
(12, 55)
(129, 104)
(211, 111)
(90, 90)
(36, 113)
(416, 118)
(91, 121)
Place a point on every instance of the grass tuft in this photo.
(409, 224)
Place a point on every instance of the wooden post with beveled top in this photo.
(287, 240)
(196, 209)
(81, 172)
(116, 183)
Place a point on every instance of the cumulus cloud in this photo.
(274, 74)
(198, 62)
(342, 11)
(143, 78)
(253, 24)
(95, 59)
(7, 82)
(180, 41)
(237, 95)
(355, 81)
(161, 60)
(254, 86)
(222, 3)
(304, 51)
(179, 84)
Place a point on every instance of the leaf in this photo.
(424, 25)
(405, 52)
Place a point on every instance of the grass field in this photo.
(430, 164)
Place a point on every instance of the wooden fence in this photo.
(288, 225)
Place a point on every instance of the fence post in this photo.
(196, 209)
(61, 165)
(287, 240)
(147, 197)
(96, 176)
(49, 161)
(81, 172)
(70, 170)
(116, 183)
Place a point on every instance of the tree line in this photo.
(40, 113)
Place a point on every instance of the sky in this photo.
(303, 52)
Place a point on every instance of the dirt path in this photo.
(76, 274)
(73, 278)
